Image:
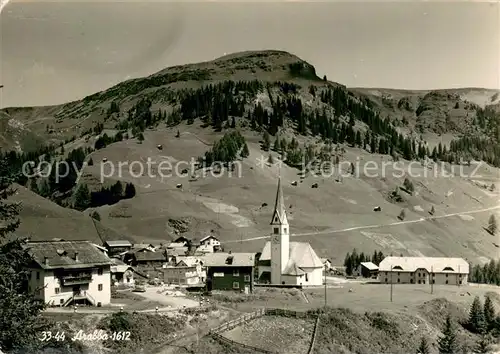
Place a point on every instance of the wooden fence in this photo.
(313, 339)
(216, 332)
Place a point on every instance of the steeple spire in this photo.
(279, 206)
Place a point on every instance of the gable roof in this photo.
(176, 245)
(209, 237)
(431, 264)
(369, 265)
(188, 260)
(150, 256)
(293, 269)
(140, 246)
(61, 254)
(301, 253)
(219, 259)
(117, 243)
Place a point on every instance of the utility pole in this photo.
(325, 285)
(391, 280)
(432, 280)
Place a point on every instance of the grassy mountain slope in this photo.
(335, 217)
(42, 219)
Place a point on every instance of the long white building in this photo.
(423, 270)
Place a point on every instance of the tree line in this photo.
(354, 259)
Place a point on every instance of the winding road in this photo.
(328, 232)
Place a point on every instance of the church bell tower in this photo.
(280, 238)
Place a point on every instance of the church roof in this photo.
(301, 254)
(279, 206)
(293, 269)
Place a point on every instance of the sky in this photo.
(53, 52)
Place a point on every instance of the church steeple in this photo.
(279, 214)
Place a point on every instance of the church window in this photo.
(307, 278)
(284, 230)
(276, 230)
(275, 219)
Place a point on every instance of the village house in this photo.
(142, 247)
(288, 263)
(423, 270)
(63, 273)
(366, 270)
(116, 247)
(121, 273)
(230, 271)
(182, 275)
(327, 264)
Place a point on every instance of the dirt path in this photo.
(328, 232)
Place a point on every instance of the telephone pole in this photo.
(391, 280)
(325, 285)
(432, 280)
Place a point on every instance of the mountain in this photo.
(184, 111)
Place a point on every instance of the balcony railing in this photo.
(73, 279)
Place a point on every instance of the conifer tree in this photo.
(277, 146)
(270, 159)
(178, 134)
(402, 215)
(81, 198)
(423, 347)
(492, 225)
(447, 344)
(266, 141)
(432, 210)
(483, 344)
(489, 313)
(476, 317)
(244, 152)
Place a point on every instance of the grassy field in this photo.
(364, 297)
(275, 333)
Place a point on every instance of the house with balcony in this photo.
(211, 243)
(64, 273)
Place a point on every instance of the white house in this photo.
(423, 270)
(284, 262)
(69, 272)
(121, 273)
(210, 240)
(327, 263)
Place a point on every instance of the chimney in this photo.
(46, 261)
(76, 256)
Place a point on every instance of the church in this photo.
(288, 263)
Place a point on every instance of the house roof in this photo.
(324, 260)
(118, 266)
(141, 246)
(61, 254)
(431, 264)
(205, 249)
(369, 265)
(176, 245)
(188, 260)
(208, 237)
(219, 259)
(150, 256)
(301, 253)
(181, 251)
(118, 243)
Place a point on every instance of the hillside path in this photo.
(327, 232)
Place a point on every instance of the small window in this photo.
(58, 290)
(61, 301)
(460, 282)
(423, 281)
(236, 273)
(285, 230)
(433, 281)
(419, 281)
(99, 287)
(99, 271)
(276, 230)
(247, 277)
(38, 275)
(307, 278)
(446, 282)
(236, 285)
(386, 280)
(446, 275)
(398, 280)
(399, 273)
